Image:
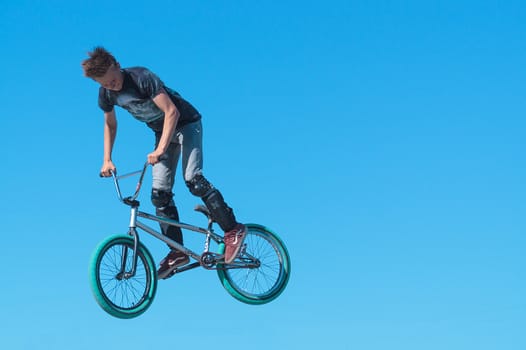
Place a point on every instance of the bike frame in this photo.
(206, 259)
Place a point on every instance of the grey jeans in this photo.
(186, 142)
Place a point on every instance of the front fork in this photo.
(123, 274)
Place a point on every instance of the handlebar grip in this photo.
(112, 173)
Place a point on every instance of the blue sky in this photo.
(383, 140)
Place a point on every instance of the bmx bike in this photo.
(123, 275)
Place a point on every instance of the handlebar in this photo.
(130, 199)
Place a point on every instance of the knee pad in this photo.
(161, 198)
(221, 212)
(199, 186)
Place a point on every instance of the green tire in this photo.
(122, 297)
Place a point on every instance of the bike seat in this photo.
(203, 210)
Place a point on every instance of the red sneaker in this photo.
(233, 242)
(173, 260)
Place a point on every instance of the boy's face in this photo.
(113, 78)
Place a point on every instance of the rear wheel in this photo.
(264, 283)
(120, 295)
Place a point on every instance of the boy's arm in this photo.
(110, 132)
(171, 116)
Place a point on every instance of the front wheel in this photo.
(264, 283)
(118, 293)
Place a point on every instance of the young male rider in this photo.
(178, 134)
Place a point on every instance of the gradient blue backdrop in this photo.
(383, 140)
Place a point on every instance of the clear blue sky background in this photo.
(383, 140)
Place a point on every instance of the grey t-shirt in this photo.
(139, 88)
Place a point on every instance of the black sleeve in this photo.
(149, 83)
(104, 102)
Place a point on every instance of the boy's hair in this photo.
(98, 63)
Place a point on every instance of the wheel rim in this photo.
(122, 293)
(265, 280)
